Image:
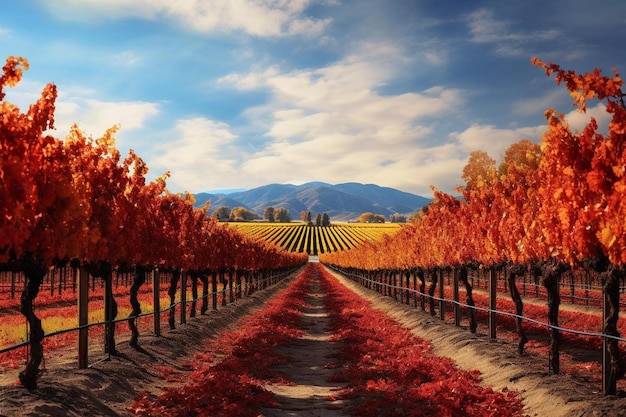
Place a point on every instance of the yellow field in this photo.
(298, 237)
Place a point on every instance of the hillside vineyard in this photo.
(315, 240)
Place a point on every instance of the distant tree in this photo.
(420, 213)
(240, 214)
(318, 219)
(282, 215)
(305, 216)
(369, 217)
(522, 155)
(325, 220)
(268, 214)
(480, 170)
(397, 218)
(222, 214)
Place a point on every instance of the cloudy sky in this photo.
(241, 93)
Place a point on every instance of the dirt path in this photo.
(308, 396)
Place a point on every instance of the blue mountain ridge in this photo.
(342, 202)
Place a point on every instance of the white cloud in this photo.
(24, 94)
(347, 92)
(95, 116)
(402, 162)
(263, 18)
(203, 156)
(439, 166)
(495, 140)
(332, 122)
(76, 104)
(578, 120)
(307, 26)
(321, 124)
(484, 27)
(250, 81)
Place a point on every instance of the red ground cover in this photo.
(228, 376)
(393, 373)
(389, 371)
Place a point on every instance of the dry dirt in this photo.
(308, 391)
(107, 387)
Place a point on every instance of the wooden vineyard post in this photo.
(156, 301)
(407, 277)
(455, 289)
(383, 280)
(183, 297)
(239, 290)
(442, 313)
(536, 286)
(13, 276)
(414, 289)
(214, 289)
(51, 277)
(587, 285)
(394, 280)
(374, 278)
(110, 312)
(231, 277)
(611, 360)
(608, 386)
(83, 316)
(493, 283)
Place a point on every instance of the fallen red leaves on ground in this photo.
(229, 375)
(389, 371)
(393, 373)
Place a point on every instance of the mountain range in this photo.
(342, 202)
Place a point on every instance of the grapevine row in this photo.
(78, 200)
(548, 209)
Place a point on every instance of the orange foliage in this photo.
(79, 199)
(565, 200)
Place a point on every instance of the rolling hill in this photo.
(342, 202)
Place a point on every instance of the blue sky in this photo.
(242, 93)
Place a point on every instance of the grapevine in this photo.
(80, 200)
(545, 211)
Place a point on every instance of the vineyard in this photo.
(165, 299)
(87, 242)
(547, 212)
(77, 202)
(315, 240)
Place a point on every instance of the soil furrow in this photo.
(308, 392)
